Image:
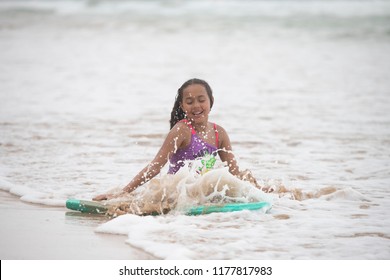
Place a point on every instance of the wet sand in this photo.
(37, 232)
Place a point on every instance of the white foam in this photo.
(345, 195)
(188, 187)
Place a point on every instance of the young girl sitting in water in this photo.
(192, 136)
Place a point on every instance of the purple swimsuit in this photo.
(197, 148)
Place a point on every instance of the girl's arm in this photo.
(226, 155)
(174, 140)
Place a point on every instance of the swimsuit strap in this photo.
(216, 136)
(189, 125)
(194, 132)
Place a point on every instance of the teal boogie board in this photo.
(229, 207)
(86, 206)
(92, 207)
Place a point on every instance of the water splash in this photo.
(188, 187)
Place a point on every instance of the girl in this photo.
(191, 136)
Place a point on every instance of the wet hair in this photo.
(177, 113)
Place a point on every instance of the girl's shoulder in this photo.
(180, 129)
(180, 125)
(180, 134)
(220, 129)
(223, 136)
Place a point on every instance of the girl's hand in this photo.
(247, 176)
(107, 196)
(267, 189)
(103, 197)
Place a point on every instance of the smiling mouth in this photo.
(197, 114)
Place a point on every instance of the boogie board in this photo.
(93, 207)
(86, 206)
(228, 207)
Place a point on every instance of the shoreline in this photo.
(38, 232)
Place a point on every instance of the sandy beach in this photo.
(31, 232)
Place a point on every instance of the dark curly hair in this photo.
(177, 113)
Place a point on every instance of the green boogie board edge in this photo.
(86, 206)
(92, 207)
(230, 207)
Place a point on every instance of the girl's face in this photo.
(196, 103)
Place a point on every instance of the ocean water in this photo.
(302, 87)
